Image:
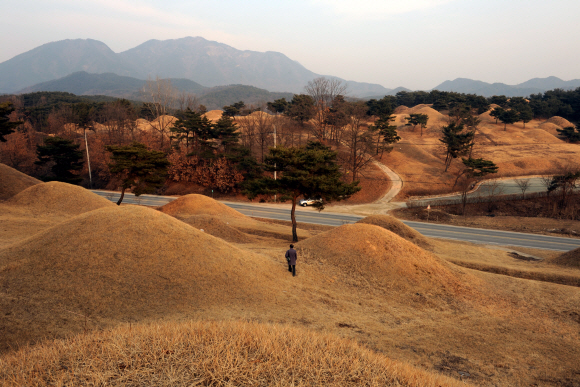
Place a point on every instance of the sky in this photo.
(411, 43)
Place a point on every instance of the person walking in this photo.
(291, 257)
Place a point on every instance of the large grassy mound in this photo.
(379, 255)
(57, 197)
(209, 354)
(120, 264)
(194, 204)
(396, 226)
(13, 182)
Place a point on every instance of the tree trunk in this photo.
(464, 200)
(122, 196)
(293, 217)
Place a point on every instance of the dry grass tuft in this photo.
(57, 197)
(209, 354)
(13, 182)
(384, 258)
(120, 264)
(194, 204)
(401, 229)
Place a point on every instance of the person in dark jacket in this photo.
(291, 257)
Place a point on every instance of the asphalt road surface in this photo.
(466, 234)
(493, 188)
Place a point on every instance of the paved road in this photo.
(492, 188)
(468, 234)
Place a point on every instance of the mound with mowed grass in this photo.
(120, 264)
(396, 226)
(195, 204)
(568, 259)
(57, 197)
(220, 229)
(210, 354)
(13, 182)
(380, 256)
(214, 115)
(560, 121)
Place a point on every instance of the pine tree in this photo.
(6, 127)
(65, 157)
(456, 141)
(194, 128)
(387, 133)
(417, 119)
(509, 117)
(136, 166)
(311, 171)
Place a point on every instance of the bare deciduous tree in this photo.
(161, 98)
(257, 129)
(358, 141)
(187, 101)
(523, 185)
(324, 91)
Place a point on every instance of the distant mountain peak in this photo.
(533, 86)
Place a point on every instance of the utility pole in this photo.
(88, 161)
(275, 177)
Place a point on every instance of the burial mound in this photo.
(57, 197)
(195, 204)
(383, 257)
(396, 226)
(210, 354)
(13, 182)
(118, 264)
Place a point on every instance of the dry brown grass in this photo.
(209, 354)
(569, 259)
(13, 182)
(396, 226)
(59, 198)
(535, 150)
(384, 258)
(118, 265)
(560, 121)
(214, 115)
(504, 262)
(194, 204)
(218, 228)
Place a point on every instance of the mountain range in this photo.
(533, 86)
(194, 64)
(206, 62)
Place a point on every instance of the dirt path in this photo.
(396, 180)
(380, 206)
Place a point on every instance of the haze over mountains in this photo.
(533, 86)
(205, 62)
(89, 67)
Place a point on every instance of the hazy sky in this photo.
(413, 43)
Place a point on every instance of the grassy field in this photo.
(517, 151)
(408, 314)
